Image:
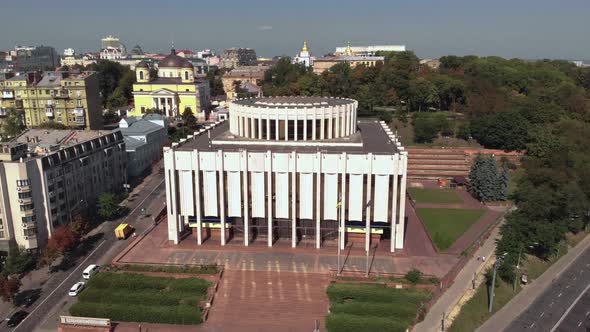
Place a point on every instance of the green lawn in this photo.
(139, 298)
(372, 308)
(445, 226)
(447, 196)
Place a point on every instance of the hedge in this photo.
(204, 269)
(181, 314)
(398, 311)
(340, 293)
(135, 282)
(144, 297)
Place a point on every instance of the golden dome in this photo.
(305, 48)
(348, 50)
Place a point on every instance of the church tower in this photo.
(304, 57)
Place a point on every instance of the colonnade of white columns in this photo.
(168, 104)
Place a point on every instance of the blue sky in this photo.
(516, 28)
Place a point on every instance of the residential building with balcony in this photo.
(69, 98)
(49, 176)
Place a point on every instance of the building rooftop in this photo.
(57, 138)
(293, 102)
(369, 138)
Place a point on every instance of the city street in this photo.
(564, 306)
(54, 301)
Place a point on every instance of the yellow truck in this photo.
(123, 230)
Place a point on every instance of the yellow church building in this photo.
(173, 91)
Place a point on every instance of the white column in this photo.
(259, 126)
(286, 127)
(394, 202)
(198, 199)
(240, 125)
(154, 103)
(305, 126)
(269, 195)
(399, 237)
(318, 199)
(252, 126)
(293, 162)
(330, 129)
(246, 193)
(337, 132)
(173, 230)
(221, 195)
(368, 203)
(168, 113)
(342, 199)
(267, 127)
(295, 126)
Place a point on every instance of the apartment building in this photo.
(49, 176)
(68, 98)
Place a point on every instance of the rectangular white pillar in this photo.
(277, 127)
(305, 126)
(198, 199)
(269, 195)
(244, 159)
(368, 203)
(399, 237)
(342, 198)
(221, 195)
(267, 127)
(394, 198)
(259, 126)
(286, 127)
(318, 199)
(293, 163)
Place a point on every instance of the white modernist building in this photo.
(369, 50)
(296, 168)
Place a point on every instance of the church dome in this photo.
(174, 61)
(142, 64)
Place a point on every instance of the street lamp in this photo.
(518, 264)
(492, 286)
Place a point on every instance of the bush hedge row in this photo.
(144, 297)
(181, 314)
(398, 311)
(135, 282)
(339, 293)
(204, 269)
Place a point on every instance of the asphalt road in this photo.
(564, 306)
(54, 296)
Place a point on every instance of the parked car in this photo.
(30, 299)
(16, 318)
(90, 271)
(76, 289)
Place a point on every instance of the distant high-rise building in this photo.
(236, 57)
(368, 50)
(69, 52)
(38, 58)
(304, 56)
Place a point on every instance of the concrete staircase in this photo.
(432, 164)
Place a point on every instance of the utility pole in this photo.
(493, 285)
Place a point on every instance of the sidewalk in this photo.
(463, 282)
(528, 295)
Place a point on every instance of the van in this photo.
(90, 271)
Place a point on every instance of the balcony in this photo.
(80, 120)
(61, 94)
(28, 213)
(3, 112)
(78, 111)
(26, 200)
(23, 189)
(7, 94)
(49, 112)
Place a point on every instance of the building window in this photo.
(22, 183)
(186, 75)
(142, 109)
(141, 75)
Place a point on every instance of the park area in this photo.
(133, 297)
(437, 196)
(445, 225)
(357, 307)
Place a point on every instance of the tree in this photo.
(505, 130)
(63, 238)
(48, 256)
(13, 124)
(52, 125)
(18, 261)
(486, 183)
(110, 117)
(79, 225)
(107, 205)
(426, 128)
(109, 78)
(189, 119)
(9, 287)
(422, 94)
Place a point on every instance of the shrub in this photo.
(355, 323)
(182, 314)
(414, 276)
(204, 269)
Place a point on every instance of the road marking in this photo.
(569, 309)
(579, 324)
(550, 304)
(587, 313)
(543, 313)
(559, 295)
(533, 324)
(58, 286)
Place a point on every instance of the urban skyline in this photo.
(528, 29)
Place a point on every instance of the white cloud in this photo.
(265, 28)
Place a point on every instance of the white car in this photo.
(76, 289)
